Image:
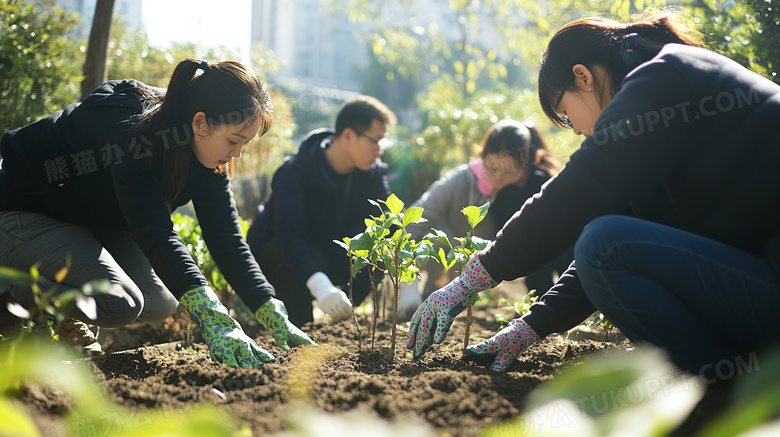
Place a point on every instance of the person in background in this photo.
(96, 184)
(673, 201)
(513, 165)
(319, 195)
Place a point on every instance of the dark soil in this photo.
(452, 395)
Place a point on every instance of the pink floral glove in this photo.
(507, 344)
(439, 310)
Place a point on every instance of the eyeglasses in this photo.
(563, 117)
(382, 143)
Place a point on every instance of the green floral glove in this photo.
(273, 316)
(227, 342)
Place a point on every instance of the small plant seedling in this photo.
(385, 245)
(51, 306)
(599, 320)
(523, 305)
(469, 245)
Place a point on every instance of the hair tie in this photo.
(203, 65)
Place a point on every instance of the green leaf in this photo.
(15, 277)
(413, 215)
(424, 248)
(389, 265)
(439, 236)
(755, 399)
(409, 275)
(361, 242)
(405, 254)
(390, 220)
(479, 243)
(394, 204)
(344, 244)
(443, 259)
(475, 214)
(483, 210)
(15, 421)
(358, 265)
(397, 237)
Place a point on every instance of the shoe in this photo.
(77, 333)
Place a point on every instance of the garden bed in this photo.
(440, 393)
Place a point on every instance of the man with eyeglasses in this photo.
(319, 195)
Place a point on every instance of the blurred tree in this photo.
(747, 31)
(97, 47)
(39, 66)
(131, 55)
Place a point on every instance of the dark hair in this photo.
(227, 92)
(359, 112)
(521, 141)
(617, 47)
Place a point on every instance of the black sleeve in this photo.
(563, 307)
(289, 222)
(149, 222)
(619, 161)
(218, 219)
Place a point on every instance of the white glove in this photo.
(330, 299)
(408, 300)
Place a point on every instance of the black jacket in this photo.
(690, 140)
(311, 204)
(76, 165)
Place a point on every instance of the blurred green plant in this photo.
(40, 67)
(643, 394)
(52, 305)
(49, 365)
(754, 402)
(747, 31)
(588, 400)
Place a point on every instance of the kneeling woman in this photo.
(97, 182)
(673, 201)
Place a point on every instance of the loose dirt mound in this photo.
(451, 394)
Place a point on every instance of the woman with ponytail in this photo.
(95, 184)
(513, 165)
(673, 202)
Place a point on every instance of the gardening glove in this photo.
(330, 299)
(226, 340)
(506, 345)
(441, 307)
(273, 316)
(408, 300)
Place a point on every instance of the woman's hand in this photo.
(227, 341)
(432, 320)
(506, 345)
(273, 316)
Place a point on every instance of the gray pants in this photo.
(27, 238)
